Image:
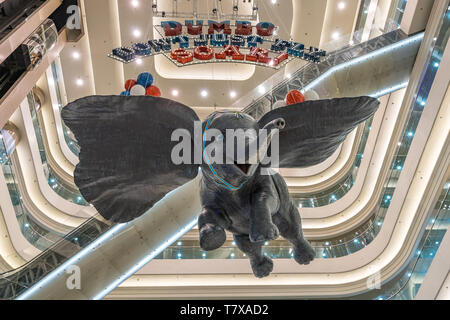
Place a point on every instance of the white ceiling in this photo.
(110, 24)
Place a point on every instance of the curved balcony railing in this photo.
(15, 282)
(58, 184)
(68, 135)
(339, 189)
(407, 284)
(39, 236)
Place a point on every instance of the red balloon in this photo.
(130, 84)
(294, 96)
(153, 91)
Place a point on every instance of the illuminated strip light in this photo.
(48, 278)
(144, 261)
(389, 90)
(361, 59)
(105, 237)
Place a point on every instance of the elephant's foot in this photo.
(264, 232)
(304, 252)
(212, 237)
(262, 268)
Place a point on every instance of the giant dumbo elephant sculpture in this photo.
(127, 163)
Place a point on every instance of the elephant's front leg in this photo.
(264, 204)
(211, 225)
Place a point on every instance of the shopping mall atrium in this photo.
(371, 186)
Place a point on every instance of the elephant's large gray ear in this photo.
(315, 129)
(125, 151)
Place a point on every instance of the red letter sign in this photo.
(172, 28)
(232, 51)
(203, 53)
(265, 29)
(258, 54)
(181, 55)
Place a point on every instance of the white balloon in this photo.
(311, 95)
(278, 104)
(137, 90)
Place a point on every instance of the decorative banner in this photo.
(219, 42)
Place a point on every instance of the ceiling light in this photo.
(80, 82)
(274, 1)
(261, 89)
(204, 93)
(135, 3)
(233, 94)
(137, 33)
(288, 75)
(76, 55)
(341, 5)
(139, 61)
(175, 92)
(335, 35)
(351, 42)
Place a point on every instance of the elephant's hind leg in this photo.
(211, 227)
(261, 265)
(291, 229)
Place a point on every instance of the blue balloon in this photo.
(145, 79)
(125, 93)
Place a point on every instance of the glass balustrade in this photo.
(58, 184)
(339, 189)
(38, 235)
(68, 135)
(407, 284)
(15, 282)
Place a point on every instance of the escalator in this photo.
(107, 254)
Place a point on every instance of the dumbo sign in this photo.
(195, 42)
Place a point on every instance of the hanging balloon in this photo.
(145, 79)
(125, 93)
(130, 84)
(153, 91)
(294, 96)
(278, 104)
(137, 90)
(311, 95)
